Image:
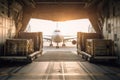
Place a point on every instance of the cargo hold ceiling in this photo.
(61, 10)
(83, 3)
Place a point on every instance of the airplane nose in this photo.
(57, 38)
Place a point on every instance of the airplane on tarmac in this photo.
(57, 37)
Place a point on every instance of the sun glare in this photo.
(70, 27)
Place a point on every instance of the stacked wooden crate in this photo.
(99, 47)
(18, 47)
(35, 36)
(82, 37)
(78, 40)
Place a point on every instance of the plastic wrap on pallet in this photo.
(35, 36)
(99, 47)
(18, 47)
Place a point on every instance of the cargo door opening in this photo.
(67, 29)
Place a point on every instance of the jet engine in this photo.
(74, 42)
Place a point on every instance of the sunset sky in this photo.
(67, 27)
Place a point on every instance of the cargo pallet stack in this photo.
(26, 47)
(82, 37)
(92, 47)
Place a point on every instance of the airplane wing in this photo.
(47, 37)
(66, 37)
(64, 40)
(70, 37)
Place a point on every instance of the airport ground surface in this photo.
(59, 64)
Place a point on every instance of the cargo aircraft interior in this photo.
(59, 39)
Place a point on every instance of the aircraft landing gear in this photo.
(57, 46)
(51, 44)
(63, 45)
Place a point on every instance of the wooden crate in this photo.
(82, 37)
(18, 47)
(99, 47)
(78, 40)
(35, 36)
